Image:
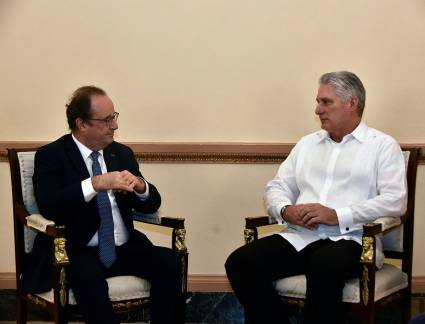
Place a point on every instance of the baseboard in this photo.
(204, 283)
(208, 283)
(418, 284)
(7, 280)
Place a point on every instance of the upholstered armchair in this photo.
(127, 293)
(375, 288)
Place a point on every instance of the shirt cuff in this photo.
(88, 191)
(345, 220)
(279, 216)
(145, 195)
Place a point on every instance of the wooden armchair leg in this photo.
(181, 308)
(146, 316)
(21, 310)
(181, 311)
(60, 317)
(407, 309)
(368, 317)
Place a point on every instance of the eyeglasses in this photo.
(108, 120)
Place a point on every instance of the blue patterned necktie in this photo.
(106, 230)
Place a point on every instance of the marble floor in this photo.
(202, 308)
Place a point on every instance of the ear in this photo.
(81, 124)
(354, 104)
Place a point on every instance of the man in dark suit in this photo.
(90, 183)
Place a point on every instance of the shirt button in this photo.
(347, 228)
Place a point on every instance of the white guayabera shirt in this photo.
(363, 178)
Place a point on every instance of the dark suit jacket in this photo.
(58, 172)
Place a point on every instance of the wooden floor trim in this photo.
(205, 283)
(208, 283)
(418, 285)
(7, 280)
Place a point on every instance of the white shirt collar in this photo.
(84, 150)
(359, 133)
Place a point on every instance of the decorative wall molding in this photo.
(201, 152)
(204, 283)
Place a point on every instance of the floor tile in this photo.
(202, 308)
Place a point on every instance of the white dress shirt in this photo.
(120, 231)
(363, 178)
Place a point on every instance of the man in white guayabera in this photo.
(333, 181)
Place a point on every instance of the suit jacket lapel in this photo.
(111, 160)
(75, 156)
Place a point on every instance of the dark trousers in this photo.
(138, 257)
(252, 269)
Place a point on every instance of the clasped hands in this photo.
(122, 181)
(310, 215)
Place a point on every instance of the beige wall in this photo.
(210, 70)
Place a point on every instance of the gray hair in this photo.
(347, 85)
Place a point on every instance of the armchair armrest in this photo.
(42, 225)
(46, 227)
(146, 218)
(173, 222)
(388, 223)
(258, 221)
(157, 219)
(372, 229)
(38, 222)
(176, 224)
(253, 224)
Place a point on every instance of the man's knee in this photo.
(323, 279)
(328, 275)
(86, 274)
(175, 258)
(231, 262)
(237, 263)
(169, 263)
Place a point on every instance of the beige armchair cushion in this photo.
(388, 279)
(120, 288)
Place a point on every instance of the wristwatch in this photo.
(282, 210)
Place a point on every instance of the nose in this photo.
(318, 109)
(114, 124)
